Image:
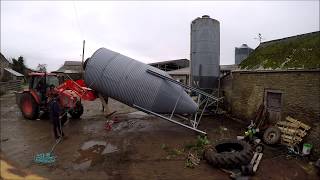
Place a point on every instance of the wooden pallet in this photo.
(292, 131)
(301, 125)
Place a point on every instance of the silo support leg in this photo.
(168, 119)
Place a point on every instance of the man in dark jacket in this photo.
(55, 110)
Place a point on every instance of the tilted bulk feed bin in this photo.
(126, 80)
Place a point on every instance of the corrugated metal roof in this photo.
(177, 61)
(230, 67)
(72, 63)
(14, 72)
(186, 71)
(70, 67)
(182, 71)
(5, 59)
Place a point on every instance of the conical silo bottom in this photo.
(167, 98)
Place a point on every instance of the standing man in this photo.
(55, 110)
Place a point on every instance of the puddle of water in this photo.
(91, 153)
(82, 166)
(110, 149)
(89, 144)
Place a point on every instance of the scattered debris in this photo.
(164, 147)
(192, 161)
(234, 173)
(109, 123)
(251, 137)
(196, 151)
(199, 146)
(110, 114)
(172, 153)
(192, 152)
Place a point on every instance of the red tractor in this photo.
(42, 85)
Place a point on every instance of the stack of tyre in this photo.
(231, 153)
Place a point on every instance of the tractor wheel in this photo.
(29, 107)
(229, 154)
(77, 111)
(272, 135)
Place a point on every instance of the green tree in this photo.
(18, 65)
(42, 67)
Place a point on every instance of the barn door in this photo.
(273, 105)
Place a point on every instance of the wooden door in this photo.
(273, 105)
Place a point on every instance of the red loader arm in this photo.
(78, 87)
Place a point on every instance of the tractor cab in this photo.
(41, 83)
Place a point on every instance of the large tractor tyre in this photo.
(229, 154)
(77, 111)
(29, 107)
(272, 135)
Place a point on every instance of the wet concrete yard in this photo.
(132, 149)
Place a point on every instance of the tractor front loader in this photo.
(35, 99)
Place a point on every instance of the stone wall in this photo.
(245, 91)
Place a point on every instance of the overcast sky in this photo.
(52, 32)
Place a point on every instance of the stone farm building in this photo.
(284, 76)
(70, 69)
(7, 73)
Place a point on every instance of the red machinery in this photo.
(35, 99)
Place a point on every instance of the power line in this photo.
(77, 18)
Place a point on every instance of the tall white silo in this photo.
(205, 52)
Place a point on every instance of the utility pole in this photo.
(84, 41)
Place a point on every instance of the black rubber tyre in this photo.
(229, 154)
(77, 111)
(29, 107)
(272, 135)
